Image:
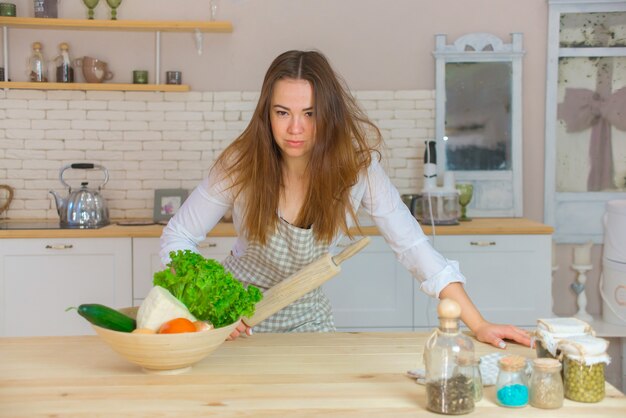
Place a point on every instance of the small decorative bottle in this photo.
(470, 366)
(478, 380)
(512, 385)
(546, 384)
(37, 64)
(448, 357)
(64, 70)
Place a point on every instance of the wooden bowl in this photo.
(164, 353)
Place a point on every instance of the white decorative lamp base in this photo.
(579, 288)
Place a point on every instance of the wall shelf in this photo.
(156, 26)
(116, 25)
(25, 85)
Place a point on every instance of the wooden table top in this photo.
(265, 375)
(478, 226)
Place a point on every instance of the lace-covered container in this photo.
(584, 361)
(552, 330)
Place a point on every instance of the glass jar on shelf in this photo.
(37, 69)
(512, 384)
(448, 358)
(546, 384)
(63, 63)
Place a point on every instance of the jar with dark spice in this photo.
(541, 350)
(448, 358)
(64, 70)
(512, 384)
(546, 384)
(551, 331)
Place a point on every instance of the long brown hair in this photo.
(341, 151)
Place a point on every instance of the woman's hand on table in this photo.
(495, 334)
(241, 329)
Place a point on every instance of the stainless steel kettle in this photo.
(82, 208)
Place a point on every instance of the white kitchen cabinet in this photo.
(146, 260)
(508, 277)
(373, 291)
(40, 278)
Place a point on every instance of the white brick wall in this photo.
(150, 140)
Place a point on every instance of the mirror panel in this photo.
(478, 119)
(478, 116)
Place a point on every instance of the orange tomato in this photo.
(176, 326)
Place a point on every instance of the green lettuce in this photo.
(209, 291)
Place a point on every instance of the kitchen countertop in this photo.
(478, 226)
(266, 375)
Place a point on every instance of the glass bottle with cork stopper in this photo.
(64, 70)
(37, 70)
(448, 357)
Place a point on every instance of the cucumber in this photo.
(106, 317)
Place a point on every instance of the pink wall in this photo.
(374, 44)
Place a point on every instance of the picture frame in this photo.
(167, 202)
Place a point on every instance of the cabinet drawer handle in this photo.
(207, 245)
(59, 246)
(483, 243)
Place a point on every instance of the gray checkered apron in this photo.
(289, 249)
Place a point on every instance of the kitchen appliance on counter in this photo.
(439, 205)
(82, 208)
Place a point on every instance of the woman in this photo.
(294, 180)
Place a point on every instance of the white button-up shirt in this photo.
(374, 193)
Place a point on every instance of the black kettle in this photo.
(82, 208)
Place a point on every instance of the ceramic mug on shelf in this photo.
(94, 70)
(173, 77)
(46, 8)
(140, 77)
(8, 9)
(9, 197)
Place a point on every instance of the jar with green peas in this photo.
(583, 382)
(584, 361)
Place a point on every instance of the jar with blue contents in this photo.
(512, 382)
